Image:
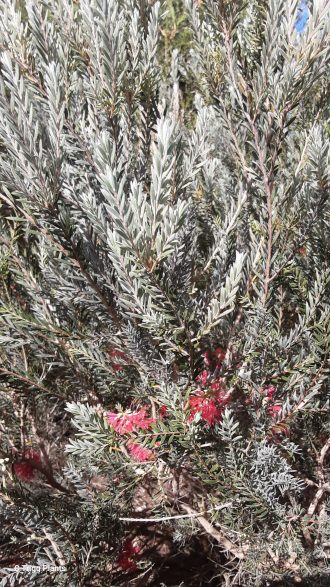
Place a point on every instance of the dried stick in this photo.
(237, 551)
(178, 516)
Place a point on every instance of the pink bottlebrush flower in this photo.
(208, 406)
(26, 471)
(140, 453)
(125, 559)
(163, 412)
(129, 422)
(117, 366)
(126, 563)
(220, 354)
(211, 413)
(130, 549)
(203, 377)
(270, 391)
(207, 358)
(274, 410)
(216, 385)
(121, 355)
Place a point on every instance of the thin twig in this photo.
(237, 551)
(55, 546)
(179, 516)
(323, 452)
(319, 494)
(323, 487)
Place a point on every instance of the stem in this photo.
(218, 535)
(179, 516)
(268, 190)
(55, 546)
(30, 383)
(49, 476)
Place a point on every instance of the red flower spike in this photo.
(26, 471)
(130, 549)
(270, 391)
(203, 377)
(163, 412)
(274, 411)
(216, 385)
(129, 422)
(117, 366)
(139, 453)
(209, 407)
(211, 413)
(207, 358)
(125, 559)
(121, 355)
(220, 354)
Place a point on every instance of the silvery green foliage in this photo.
(272, 476)
(133, 223)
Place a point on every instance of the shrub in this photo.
(165, 293)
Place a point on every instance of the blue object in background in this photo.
(302, 18)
